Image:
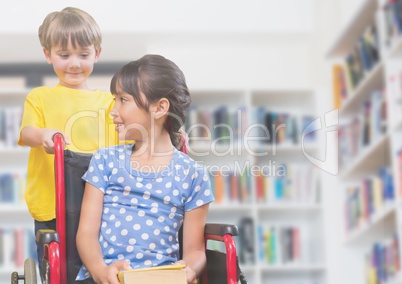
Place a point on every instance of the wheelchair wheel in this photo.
(14, 278)
(30, 271)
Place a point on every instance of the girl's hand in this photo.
(47, 140)
(191, 275)
(108, 275)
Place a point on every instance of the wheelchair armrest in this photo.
(46, 236)
(221, 229)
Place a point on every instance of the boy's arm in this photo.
(88, 244)
(194, 241)
(35, 137)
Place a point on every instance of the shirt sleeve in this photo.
(96, 173)
(201, 192)
(33, 114)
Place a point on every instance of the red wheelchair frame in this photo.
(55, 243)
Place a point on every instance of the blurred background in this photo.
(319, 201)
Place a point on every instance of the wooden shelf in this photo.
(370, 159)
(289, 207)
(11, 92)
(293, 268)
(374, 228)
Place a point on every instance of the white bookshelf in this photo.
(385, 222)
(307, 215)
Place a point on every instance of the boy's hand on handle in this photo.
(108, 274)
(48, 141)
(191, 275)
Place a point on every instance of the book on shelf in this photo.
(16, 244)
(382, 262)
(368, 48)
(364, 128)
(347, 74)
(289, 183)
(167, 274)
(246, 248)
(230, 187)
(399, 171)
(12, 187)
(10, 120)
(339, 90)
(390, 22)
(368, 197)
(394, 81)
(271, 126)
(223, 125)
(281, 245)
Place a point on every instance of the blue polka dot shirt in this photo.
(143, 210)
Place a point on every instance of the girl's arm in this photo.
(88, 244)
(194, 241)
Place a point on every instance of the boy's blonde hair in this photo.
(69, 24)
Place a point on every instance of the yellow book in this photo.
(166, 274)
(377, 187)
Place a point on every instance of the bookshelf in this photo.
(270, 192)
(370, 140)
(16, 227)
(277, 205)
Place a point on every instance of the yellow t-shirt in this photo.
(83, 116)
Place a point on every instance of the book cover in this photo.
(167, 274)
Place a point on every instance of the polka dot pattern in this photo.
(143, 211)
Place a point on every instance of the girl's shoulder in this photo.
(115, 152)
(187, 162)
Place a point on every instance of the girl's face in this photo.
(72, 65)
(132, 122)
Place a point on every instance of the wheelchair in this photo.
(61, 261)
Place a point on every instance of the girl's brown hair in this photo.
(156, 77)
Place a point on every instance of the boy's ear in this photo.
(160, 108)
(98, 52)
(47, 56)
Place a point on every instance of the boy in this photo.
(71, 41)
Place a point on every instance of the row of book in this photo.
(226, 125)
(347, 75)
(12, 187)
(222, 124)
(363, 129)
(232, 186)
(399, 171)
(363, 200)
(281, 245)
(290, 183)
(391, 21)
(283, 127)
(382, 262)
(10, 121)
(394, 81)
(16, 245)
(273, 183)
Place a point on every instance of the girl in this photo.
(137, 196)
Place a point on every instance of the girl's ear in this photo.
(160, 108)
(47, 56)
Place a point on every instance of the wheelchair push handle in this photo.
(59, 143)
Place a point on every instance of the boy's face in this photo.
(72, 65)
